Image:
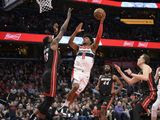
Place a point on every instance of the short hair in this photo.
(146, 58)
(89, 36)
(111, 68)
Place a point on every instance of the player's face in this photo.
(107, 68)
(140, 60)
(86, 41)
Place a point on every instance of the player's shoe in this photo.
(63, 110)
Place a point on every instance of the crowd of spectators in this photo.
(24, 19)
(21, 85)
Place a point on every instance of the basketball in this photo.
(99, 13)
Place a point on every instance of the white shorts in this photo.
(158, 92)
(80, 77)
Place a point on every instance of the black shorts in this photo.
(105, 101)
(147, 100)
(49, 83)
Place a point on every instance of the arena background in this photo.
(128, 33)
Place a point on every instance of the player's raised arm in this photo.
(71, 43)
(63, 28)
(99, 34)
(129, 80)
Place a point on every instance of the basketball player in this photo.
(105, 86)
(83, 62)
(147, 85)
(157, 102)
(51, 55)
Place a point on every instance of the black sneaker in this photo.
(32, 117)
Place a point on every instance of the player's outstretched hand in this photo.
(69, 12)
(128, 71)
(118, 68)
(79, 28)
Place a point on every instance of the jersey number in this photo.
(106, 82)
(83, 55)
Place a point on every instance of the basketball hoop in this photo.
(45, 5)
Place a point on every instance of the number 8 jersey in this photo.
(84, 59)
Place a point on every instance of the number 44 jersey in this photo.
(106, 83)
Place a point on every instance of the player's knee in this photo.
(75, 87)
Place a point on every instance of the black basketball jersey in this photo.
(149, 85)
(51, 57)
(106, 83)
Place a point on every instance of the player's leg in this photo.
(103, 113)
(42, 111)
(108, 101)
(82, 85)
(70, 98)
(44, 106)
(99, 106)
(37, 114)
(139, 109)
(73, 97)
(155, 107)
(72, 94)
(75, 86)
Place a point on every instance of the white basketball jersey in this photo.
(84, 59)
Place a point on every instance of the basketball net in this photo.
(44, 5)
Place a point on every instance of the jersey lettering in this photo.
(106, 81)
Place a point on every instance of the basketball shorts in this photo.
(147, 100)
(80, 77)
